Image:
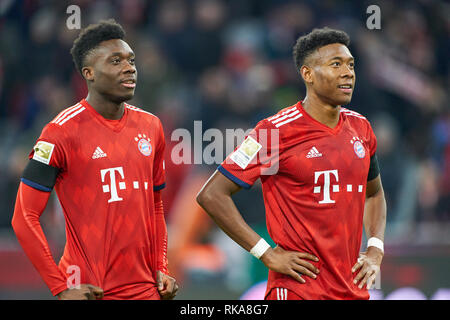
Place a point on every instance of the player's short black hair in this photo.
(91, 36)
(316, 39)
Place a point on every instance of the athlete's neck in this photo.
(325, 113)
(106, 108)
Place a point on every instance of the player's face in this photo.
(333, 74)
(114, 72)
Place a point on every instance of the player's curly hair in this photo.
(91, 36)
(317, 38)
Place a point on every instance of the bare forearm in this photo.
(223, 211)
(375, 215)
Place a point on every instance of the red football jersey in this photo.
(109, 170)
(314, 182)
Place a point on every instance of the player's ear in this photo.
(306, 73)
(88, 73)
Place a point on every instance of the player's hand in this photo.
(167, 286)
(85, 292)
(291, 263)
(369, 262)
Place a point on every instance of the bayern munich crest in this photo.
(358, 147)
(144, 145)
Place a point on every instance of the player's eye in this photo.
(132, 61)
(115, 61)
(352, 65)
(336, 63)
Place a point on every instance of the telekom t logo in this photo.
(326, 184)
(112, 187)
(328, 187)
(138, 184)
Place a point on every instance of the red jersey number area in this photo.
(108, 171)
(315, 201)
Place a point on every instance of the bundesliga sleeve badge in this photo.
(246, 152)
(43, 151)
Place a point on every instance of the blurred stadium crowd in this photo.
(229, 64)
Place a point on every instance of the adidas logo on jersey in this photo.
(313, 153)
(98, 153)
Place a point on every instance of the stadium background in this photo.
(229, 64)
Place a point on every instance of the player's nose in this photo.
(129, 68)
(348, 73)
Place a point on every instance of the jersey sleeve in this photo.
(30, 204)
(48, 158)
(158, 164)
(160, 235)
(257, 156)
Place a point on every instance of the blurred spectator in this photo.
(398, 168)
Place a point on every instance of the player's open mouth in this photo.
(346, 88)
(128, 83)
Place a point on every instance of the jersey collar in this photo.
(114, 125)
(318, 124)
